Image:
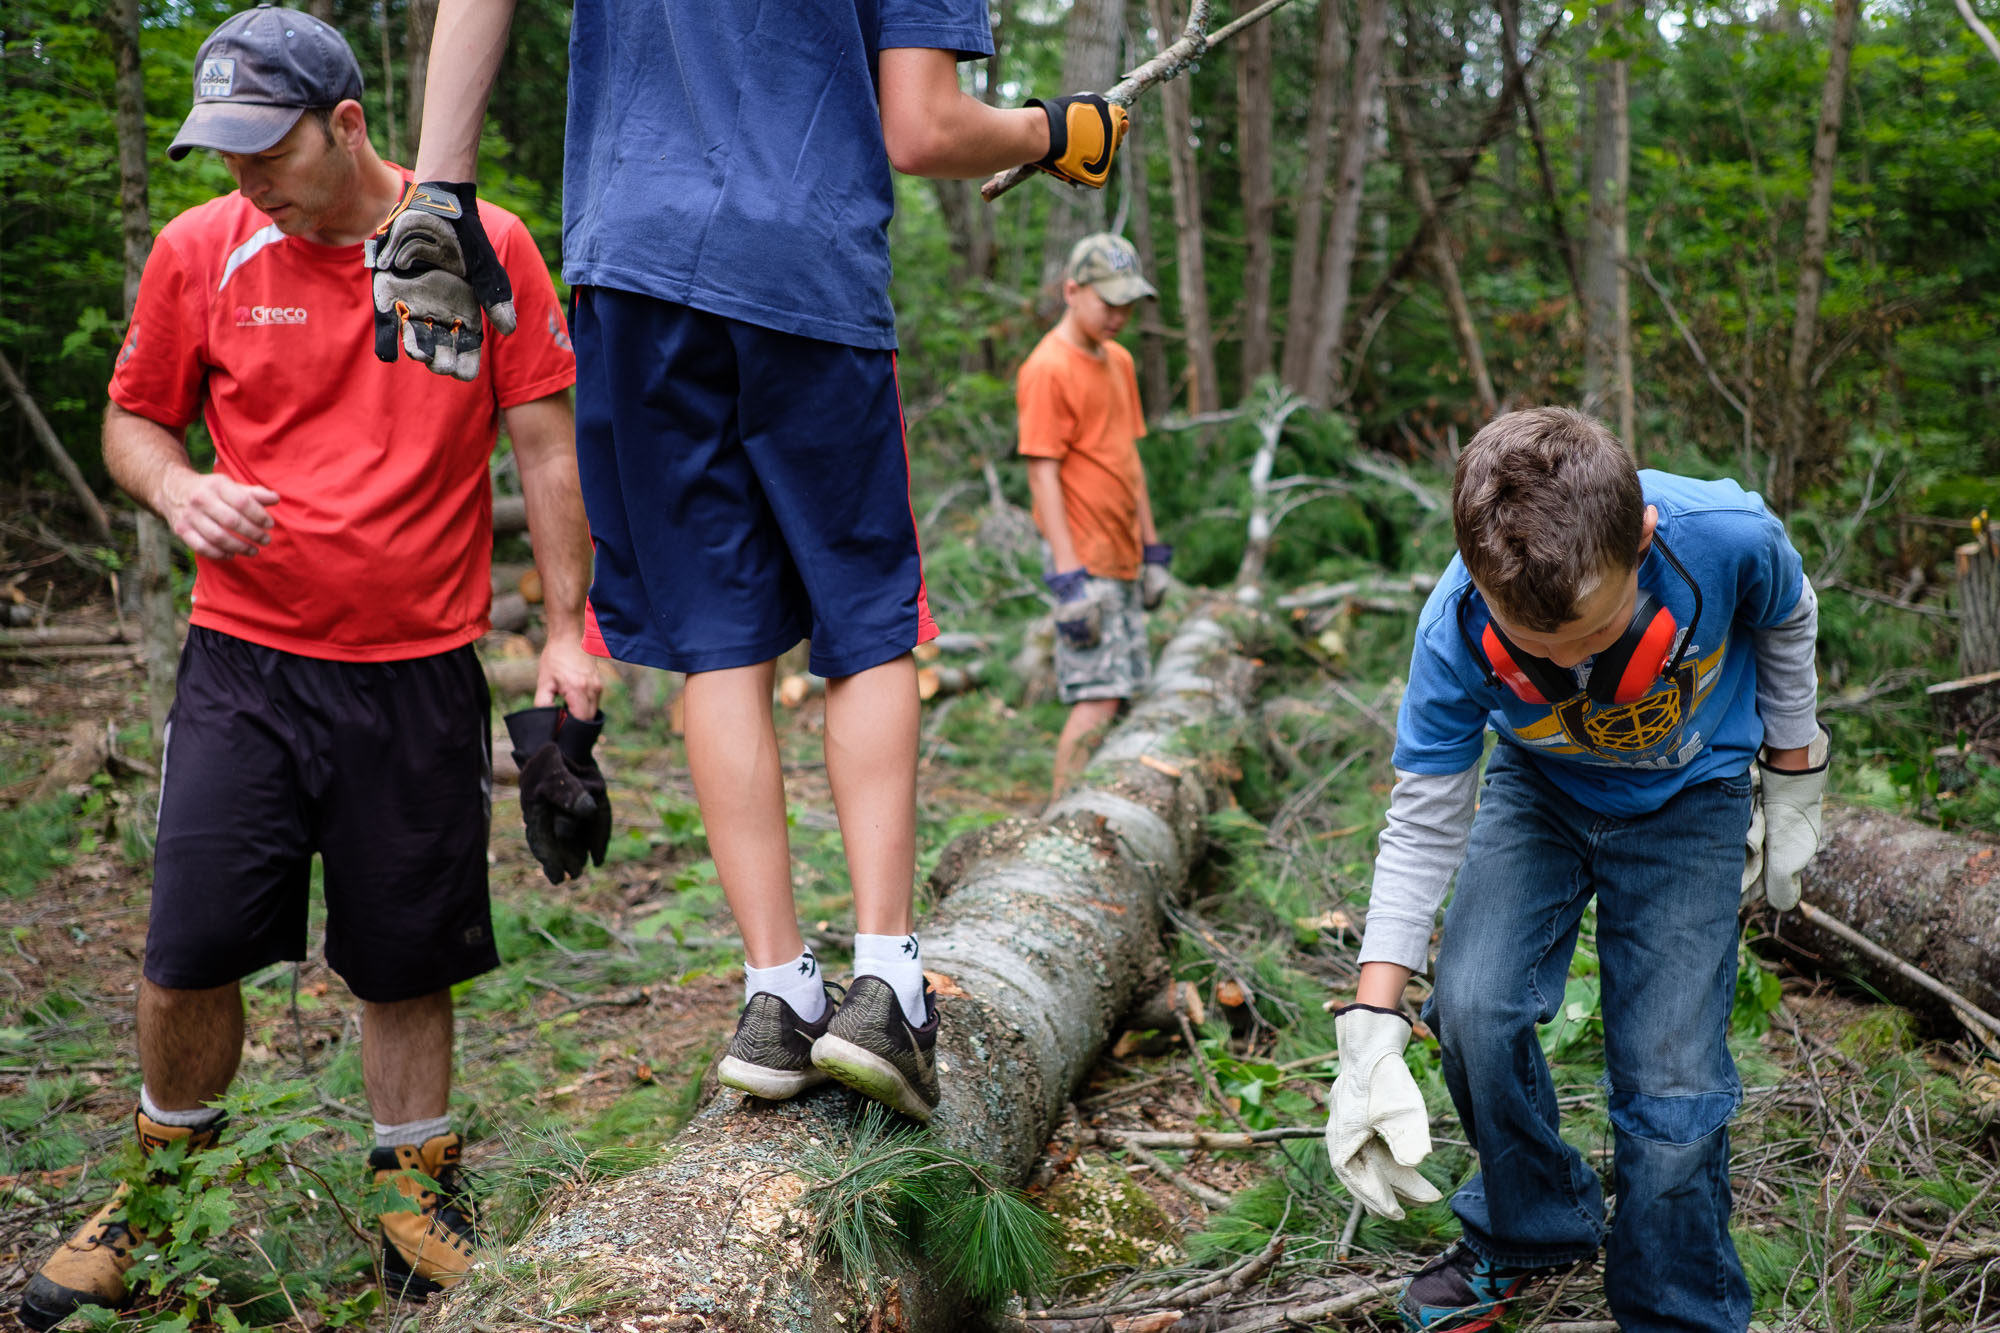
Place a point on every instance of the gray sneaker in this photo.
(871, 1047)
(771, 1053)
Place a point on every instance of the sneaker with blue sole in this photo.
(1462, 1292)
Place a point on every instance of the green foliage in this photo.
(894, 1196)
(33, 841)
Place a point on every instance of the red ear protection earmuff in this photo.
(1620, 674)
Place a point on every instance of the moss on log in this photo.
(1047, 932)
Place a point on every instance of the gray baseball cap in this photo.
(1109, 265)
(256, 75)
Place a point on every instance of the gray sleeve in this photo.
(1787, 689)
(1423, 840)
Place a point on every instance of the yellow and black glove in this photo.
(1084, 131)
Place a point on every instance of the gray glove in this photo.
(1377, 1128)
(1078, 617)
(1153, 576)
(1785, 825)
(434, 272)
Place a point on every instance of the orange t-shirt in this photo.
(1084, 411)
(382, 543)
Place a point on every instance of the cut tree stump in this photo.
(1047, 932)
(1930, 897)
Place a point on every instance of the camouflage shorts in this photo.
(1120, 665)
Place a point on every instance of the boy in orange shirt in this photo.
(1080, 425)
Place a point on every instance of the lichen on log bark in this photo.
(1046, 934)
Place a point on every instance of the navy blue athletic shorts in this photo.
(382, 768)
(746, 489)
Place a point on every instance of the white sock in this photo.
(199, 1118)
(412, 1134)
(798, 983)
(898, 960)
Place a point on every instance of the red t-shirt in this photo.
(382, 543)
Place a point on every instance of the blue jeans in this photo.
(1667, 886)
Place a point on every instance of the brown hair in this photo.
(1546, 501)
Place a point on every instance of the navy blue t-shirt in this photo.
(728, 154)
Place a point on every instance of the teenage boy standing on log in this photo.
(1632, 638)
(1080, 423)
(329, 700)
(727, 196)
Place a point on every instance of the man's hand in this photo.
(568, 673)
(1377, 1128)
(1789, 816)
(215, 516)
(1084, 132)
(434, 271)
(563, 801)
(1078, 618)
(1153, 576)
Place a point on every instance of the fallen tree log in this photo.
(1929, 897)
(1047, 932)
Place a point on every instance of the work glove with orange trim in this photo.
(1084, 132)
(434, 273)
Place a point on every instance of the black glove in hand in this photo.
(563, 800)
(434, 271)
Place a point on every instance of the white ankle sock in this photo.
(898, 960)
(200, 1117)
(412, 1134)
(798, 983)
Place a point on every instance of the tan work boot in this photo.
(89, 1268)
(428, 1250)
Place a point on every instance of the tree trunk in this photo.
(1156, 390)
(321, 10)
(152, 575)
(1301, 312)
(1510, 50)
(1607, 284)
(1978, 606)
(1042, 942)
(1444, 263)
(1336, 267)
(1253, 158)
(394, 142)
(1190, 269)
(1090, 64)
(1931, 898)
(420, 17)
(1812, 262)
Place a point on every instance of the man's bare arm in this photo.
(466, 47)
(934, 128)
(544, 435)
(215, 515)
(1045, 484)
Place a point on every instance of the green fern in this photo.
(894, 1194)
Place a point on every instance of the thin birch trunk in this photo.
(1798, 414)
(1607, 282)
(419, 18)
(1191, 270)
(1336, 269)
(1090, 62)
(1253, 145)
(1301, 310)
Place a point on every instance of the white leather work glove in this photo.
(1790, 806)
(1377, 1129)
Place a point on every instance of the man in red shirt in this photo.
(329, 700)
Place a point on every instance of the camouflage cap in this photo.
(1108, 265)
(256, 75)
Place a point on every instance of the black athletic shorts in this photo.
(382, 768)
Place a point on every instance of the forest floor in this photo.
(1866, 1154)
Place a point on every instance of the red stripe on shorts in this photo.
(926, 627)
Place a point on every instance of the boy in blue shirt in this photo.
(1632, 638)
(727, 191)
